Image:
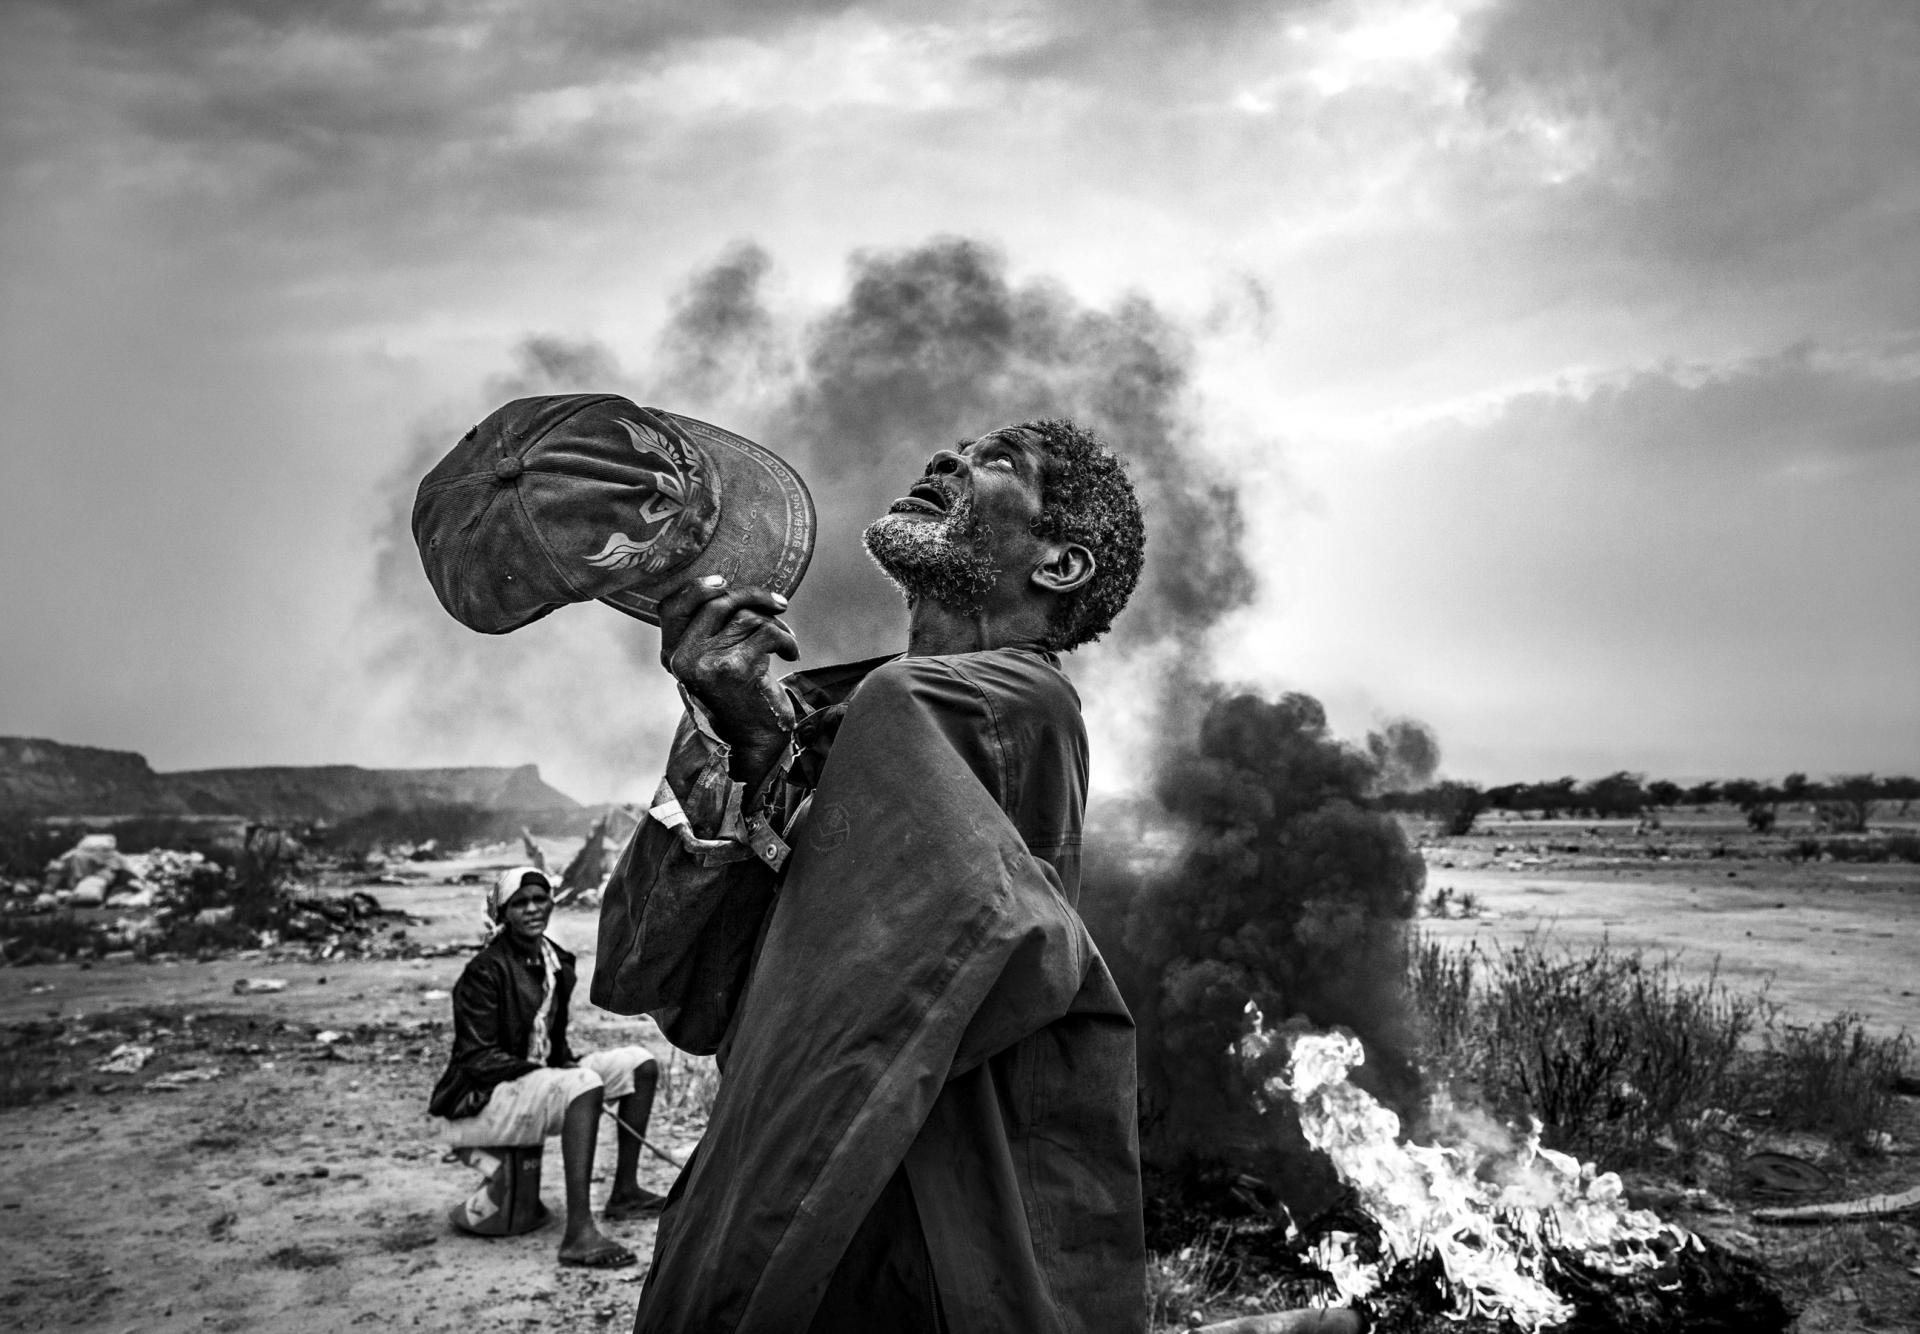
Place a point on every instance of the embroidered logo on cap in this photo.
(673, 474)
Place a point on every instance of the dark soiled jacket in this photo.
(910, 1010)
(494, 1003)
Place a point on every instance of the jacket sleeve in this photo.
(687, 897)
(477, 1032)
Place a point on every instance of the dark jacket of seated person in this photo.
(494, 1004)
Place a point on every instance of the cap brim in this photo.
(766, 524)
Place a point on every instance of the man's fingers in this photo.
(678, 610)
(740, 645)
(774, 636)
(705, 617)
(700, 608)
(751, 630)
(713, 621)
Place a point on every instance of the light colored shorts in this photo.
(532, 1108)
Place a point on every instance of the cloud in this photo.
(405, 125)
(1725, 130)
(1791, 413)
(1688, 568)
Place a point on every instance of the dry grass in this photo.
(1203, 1282)
(687, 1086)
(1835, 1077)
(1623, 1058)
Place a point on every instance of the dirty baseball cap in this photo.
(570, 497)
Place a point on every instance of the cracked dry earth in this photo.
(253, 1176)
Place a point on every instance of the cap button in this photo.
(508, 468)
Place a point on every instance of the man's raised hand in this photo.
(716, 639)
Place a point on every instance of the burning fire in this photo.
(1495, 1220)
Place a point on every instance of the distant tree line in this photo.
(1841, 804)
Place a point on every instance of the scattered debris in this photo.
(91, 892)
(1333, 1320)
(179, 1079)
(1867, 1206)
(253, 986)
(172, 902)
(1784, 1174)
(125, 1059)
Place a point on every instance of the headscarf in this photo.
(505, 885)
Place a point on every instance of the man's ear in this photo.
(1067, 567)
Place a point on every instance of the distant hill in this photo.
(40, 777)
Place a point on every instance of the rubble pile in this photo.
(94, 873)
(95, 901)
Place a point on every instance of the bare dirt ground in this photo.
(276, 1181)
(252, 1176)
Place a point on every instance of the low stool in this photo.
(507, 1202)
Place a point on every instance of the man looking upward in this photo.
(857, 887)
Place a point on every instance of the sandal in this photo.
(611, 1256)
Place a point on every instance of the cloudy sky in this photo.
(1565, 356)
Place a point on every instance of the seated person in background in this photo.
(513, 1080)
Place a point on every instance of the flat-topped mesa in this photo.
(50, 778)
(40, 777)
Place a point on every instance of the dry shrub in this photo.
(1621, 1057)
(1609, 1050)
(1834, 1077)
(1440, 982)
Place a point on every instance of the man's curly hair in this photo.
(1085, 497)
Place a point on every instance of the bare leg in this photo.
(579, 1133)
(629, 1198)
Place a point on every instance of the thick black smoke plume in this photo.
(934, 344)
(1274, 884)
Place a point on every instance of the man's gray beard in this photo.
(944, 561)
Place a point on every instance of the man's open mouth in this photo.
(928, 496)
